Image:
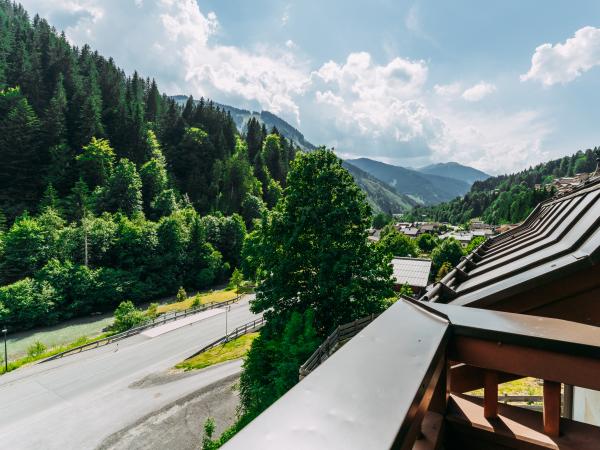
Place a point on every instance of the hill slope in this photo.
(456, 171)
(241, 117)
(421, 187)
(380, 196)
(508, 198)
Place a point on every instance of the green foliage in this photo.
(96, 162)
(236, 280)
(20, 152)
(426, 242)
(476, 242)
(395, 243)
(127, 316)
(405, 290)
(36, 349)
(181, 294)
(312, 252)
(124, 189)
(508, 198)
(316, 270)
(152, 311)
(444, 270)
(252, 209)
(449, 251)
(116, 173)
(380, 220)
(209, 429)
(271, 367)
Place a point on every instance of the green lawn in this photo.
(523, 386)
(206, 297)
(234, 349)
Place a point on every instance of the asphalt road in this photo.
(77, 401)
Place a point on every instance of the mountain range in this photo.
(422, 187)
(456, 171)
(389, 188)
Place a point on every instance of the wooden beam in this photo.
(551, 408)
(465, 378)
(516, 428)
(490, 395)
(526, 361)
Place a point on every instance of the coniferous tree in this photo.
(24, 162)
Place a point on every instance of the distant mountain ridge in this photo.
(423, 188)
(455, 170)
(241, 117)
(381, 197)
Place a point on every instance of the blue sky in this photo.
(495, 85)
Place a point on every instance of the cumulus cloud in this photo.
(562, 63)
(447, 90)
(376, 99)
(381, 109)
(174, 41)
(478, 92)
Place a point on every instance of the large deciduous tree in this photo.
(315, 270)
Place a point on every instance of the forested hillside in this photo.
(381, 197)
(109, 190)
(508, 198)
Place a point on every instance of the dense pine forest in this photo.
(508, 198)
(108, 189)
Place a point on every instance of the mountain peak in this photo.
(455, 170)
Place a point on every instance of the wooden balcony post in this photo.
(490, 395)
(551, 408)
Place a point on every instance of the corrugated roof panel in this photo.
(412, 271)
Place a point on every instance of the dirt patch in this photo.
(179, 426)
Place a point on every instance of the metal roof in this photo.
(561, 236)
(411, 271)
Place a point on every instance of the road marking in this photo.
(162, 329)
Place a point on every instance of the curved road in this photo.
(77, 401)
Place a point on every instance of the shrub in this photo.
(196, 301)
(127, 316)
(181, 294)
(36, 349)
(152, 311)
(209, 429)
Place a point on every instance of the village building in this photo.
(413, 272)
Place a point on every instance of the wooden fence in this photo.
(160, 320)
(340, 336)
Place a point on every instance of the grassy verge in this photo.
(234, 349)
(523, 386)
(206, 297)
(20, 362)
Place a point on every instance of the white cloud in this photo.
(290, 44)
(447, 90)
(373, 104)
(359, 105)
(562, 63)
(478, 92)
(174, 41)
(494, 141)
